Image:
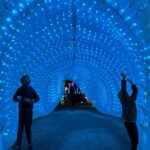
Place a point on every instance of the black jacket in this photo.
(25, 92)
(129, 110)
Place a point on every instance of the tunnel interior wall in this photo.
(88, 42)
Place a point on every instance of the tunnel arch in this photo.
(75, 76)
(104, 39)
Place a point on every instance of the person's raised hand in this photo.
(123, 75)
(130, 81)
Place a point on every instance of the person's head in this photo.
(25, 80)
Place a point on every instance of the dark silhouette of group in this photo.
(27, 96)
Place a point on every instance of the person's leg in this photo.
(21, 122)
(133, 134)
(28, 123)
(73, 99)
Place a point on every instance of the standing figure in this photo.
(129, 110)
(71, 91)
(26, 96)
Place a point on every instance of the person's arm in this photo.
(17, 97)
(134, 92)
(36, 97)
(123, 84)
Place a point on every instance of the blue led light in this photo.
(128, 18)
(3, 28)
(88, 42)
(122, 11)
(21, 5)
(134, 24)
(14, 12)
(8, 19)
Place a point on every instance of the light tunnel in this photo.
(88, 42)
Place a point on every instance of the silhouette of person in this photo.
(129, 110)
(71, 89)
(26, 96)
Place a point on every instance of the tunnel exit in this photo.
(74, 97)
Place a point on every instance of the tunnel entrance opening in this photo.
(74, 98)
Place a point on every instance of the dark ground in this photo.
(78, 130)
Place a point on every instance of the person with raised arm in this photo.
(129, 110)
